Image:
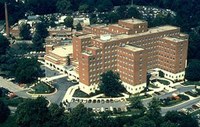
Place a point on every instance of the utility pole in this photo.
(7, 23)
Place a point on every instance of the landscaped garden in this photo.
(165, 82)
(42, 88)
(193, 93)
(153, 86)
(170, 101)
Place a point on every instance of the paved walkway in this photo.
(48, 79)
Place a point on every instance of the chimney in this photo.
(7, 24)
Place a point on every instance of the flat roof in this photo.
(86, 36)
(119, 26)
(149, 32)
(63, 51)
(133, 21)
(132, 48)
(173, 39)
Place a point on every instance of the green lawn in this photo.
(165, 82)
(79, 93)
(42, 88)
(153, 86)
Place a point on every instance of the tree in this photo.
(78, 27)
(40, 29)
(83, 8)
(24, 31)
(27, 70)
(122, 11)
(113, 17)
(192, 72)
(38, 42)
(104, 5)
(57, 117)
(40, 7)
(80, 117)
(68, 21)
(4, 44)
(4, 112)
(144, 122)
(111, 84)
(161, 74)
(136, 102)
(169, 124)
(64, 6)
(181, 119)
(133, 12)
(32, 113)
(153, 111)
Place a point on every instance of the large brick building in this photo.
(131, 49)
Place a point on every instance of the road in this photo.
(186, 104)
(179, 90)
(60, 84)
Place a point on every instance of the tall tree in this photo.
(111, 84)
(4, 112)
(79, 27)
(104, 5)
(24, 31)
(193, 70)
(153, 111)
(181, 119)
(122, 11)
(64, 6)
(40, 28)
(27, 70)
(144, 122)
(32, 113)
(57, 116)
(68, 21)
(4, 44)
(80, 117)
(133, 12)
(38, 42)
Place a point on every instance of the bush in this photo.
(161, 74)
(183, 97)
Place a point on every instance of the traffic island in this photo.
(174, 100)
(42, 88)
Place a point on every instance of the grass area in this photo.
(42, 88)
(165, 82)
(10, 122)
(79, 93)
(153, 86)
(170, 101)
(191, 83)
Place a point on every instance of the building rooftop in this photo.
(119, 26)
(133, 21)
(149, 32)
(133, 48)
(173, 39)
(63, 51)
(86, 36)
